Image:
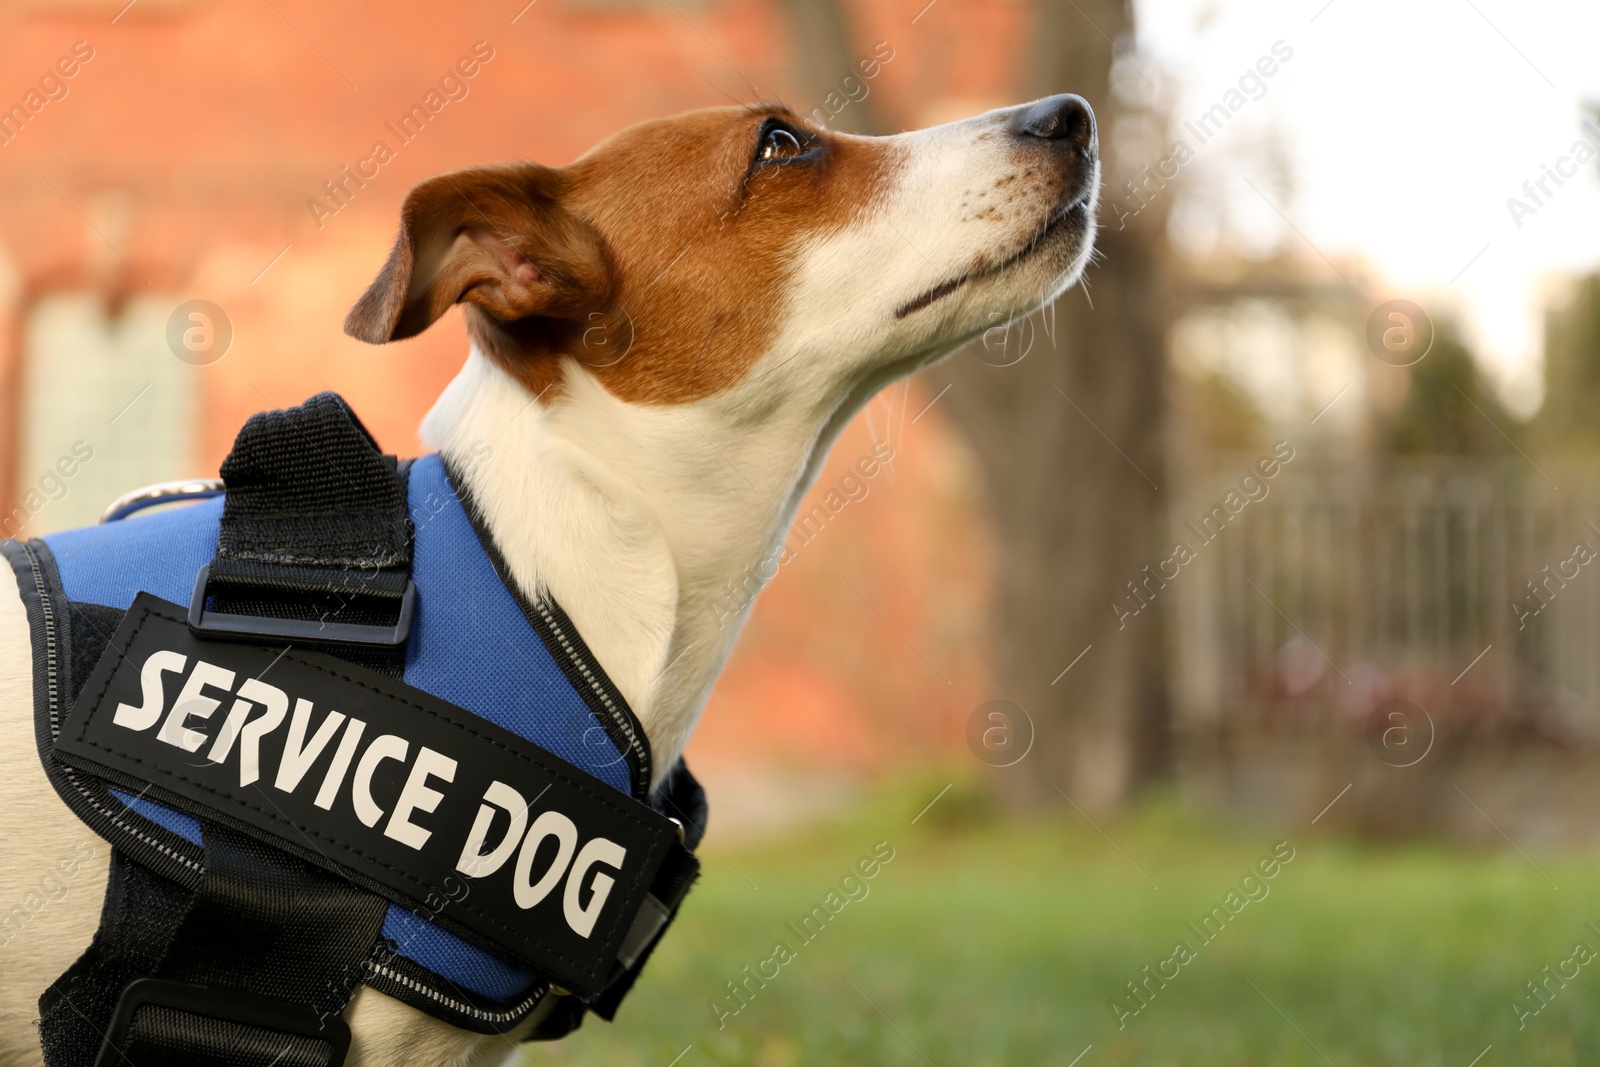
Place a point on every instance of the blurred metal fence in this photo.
(1470, 588)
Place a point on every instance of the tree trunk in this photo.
(1072, 443)
(1072, 446)
(826, 57)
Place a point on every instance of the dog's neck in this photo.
(649, 526)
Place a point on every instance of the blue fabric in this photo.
(470, 644)
(157, 553)
(185, 826)
(465, 964)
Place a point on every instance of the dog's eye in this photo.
(779, 143)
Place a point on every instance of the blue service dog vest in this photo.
(497, 696)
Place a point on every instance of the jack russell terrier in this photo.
(667, 336)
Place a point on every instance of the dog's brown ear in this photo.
(496, 236)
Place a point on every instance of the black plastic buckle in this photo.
(247, 1009)
(317, 631)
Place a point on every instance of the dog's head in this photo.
(687, 255)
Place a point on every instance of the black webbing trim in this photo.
(681, 797)
(68, 639)
(264, 922)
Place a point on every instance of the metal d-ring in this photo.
(162, 493)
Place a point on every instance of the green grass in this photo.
(993, 941)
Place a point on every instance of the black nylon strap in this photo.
(264, 922)
(308, 486)
(270, 924)
(176, 1038)
(291, 930)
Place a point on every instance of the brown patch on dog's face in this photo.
(658, 261)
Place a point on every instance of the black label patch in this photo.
(411, 795)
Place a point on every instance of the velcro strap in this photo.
(314, 529)
(406, 794)
(308, 486)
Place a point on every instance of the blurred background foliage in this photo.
(1567, 420)
(1449, 410)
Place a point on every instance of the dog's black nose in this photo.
(1066, 118)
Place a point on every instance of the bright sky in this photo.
(1408, 124)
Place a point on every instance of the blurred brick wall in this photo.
(183, 154)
